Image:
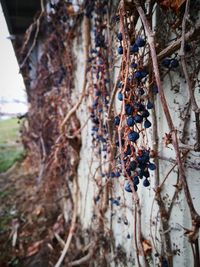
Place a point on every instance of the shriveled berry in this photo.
(133, 136)
(146, 183)
(128, 236)
(130, 121)
(147, 124)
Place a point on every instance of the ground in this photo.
(19, 214)
(10, 147)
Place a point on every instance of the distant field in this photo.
(10, 147)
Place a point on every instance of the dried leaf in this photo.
(173, 4)
(146, 246)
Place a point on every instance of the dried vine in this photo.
(123, 107)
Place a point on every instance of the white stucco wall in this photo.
(180, 217)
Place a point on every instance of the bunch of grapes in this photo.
(134, 95)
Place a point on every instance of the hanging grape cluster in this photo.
(136, 105)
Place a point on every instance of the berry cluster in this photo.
(136, 101)
(100, 82)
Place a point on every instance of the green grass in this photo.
(10, 150)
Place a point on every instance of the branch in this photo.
(183, 62)
(72, 227)
(150, 37)
(35, 36)
(193, 33)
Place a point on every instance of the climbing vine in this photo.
(129, 54)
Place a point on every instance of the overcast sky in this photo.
(11, 82)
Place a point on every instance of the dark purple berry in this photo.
(150, 105)
(136, 180)
(140, 42)
(115, 202)
(138, 118)
(128, 171)
(134, 49)
(155, 89)
(119, 85)
(174, 63)
(146, 183)
(145, 113)
(147, 124)
(95, 104)
(151, 166)
(128, 109)
(133, 65)
(166, 62)
(128, 236)
(119, 36)
(128, 188)
(133, 136)
(98, 93)
(146, 173)
(117, 174)
(130, 121)
(138, 74)
(120, 50)
(120, 96)
(144, 73)
(187, 48)
(139, 106)
(141, 91)
(117, 120)
(128, 151)
(133, 165)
